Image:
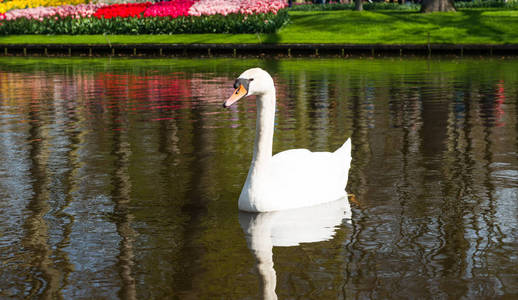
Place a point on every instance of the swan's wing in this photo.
(304, 166)
(308, 177)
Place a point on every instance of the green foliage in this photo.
(511, 5)
(487, 4)
(345, 6)
(234, 23)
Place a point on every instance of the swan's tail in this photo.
(343, 158)
(345, 149)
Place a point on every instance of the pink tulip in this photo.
(246, 7)
(172, 9)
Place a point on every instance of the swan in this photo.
(290, 179)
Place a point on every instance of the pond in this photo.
(119, 178)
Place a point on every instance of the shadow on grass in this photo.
(271, 38)
(409, 27)
(467, 23)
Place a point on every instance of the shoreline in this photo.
(252, 50)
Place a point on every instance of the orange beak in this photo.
(239, 93)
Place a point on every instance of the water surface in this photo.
(119, 179)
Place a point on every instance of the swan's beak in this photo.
(239, 93)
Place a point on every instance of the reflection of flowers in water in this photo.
(153, 92)
(499, 103)
(124, 92)
(213, 92)
(213, 89)
(127, 92)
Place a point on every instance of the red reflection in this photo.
(145, 92)
(499, 102)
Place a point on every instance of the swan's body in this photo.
(296, 178)
(293, 178)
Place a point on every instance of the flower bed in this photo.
(177, 16)
(20, 4)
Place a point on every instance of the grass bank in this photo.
(367, 27)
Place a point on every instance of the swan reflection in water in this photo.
(288, 228)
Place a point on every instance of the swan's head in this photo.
(254, 81)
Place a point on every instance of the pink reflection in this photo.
(214, 90)
(499, 102)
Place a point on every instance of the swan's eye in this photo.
(242, 83)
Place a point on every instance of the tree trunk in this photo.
(437, 5)
(358, 5)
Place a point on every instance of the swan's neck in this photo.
(264, 129)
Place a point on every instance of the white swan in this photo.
(293, 178)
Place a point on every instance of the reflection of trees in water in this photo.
(71, 121)
(53, 139)
(469, 192)
(121, 196)
(173, 188)
(447, 255)
(194, 206)
(43, 276)
(360, 138)
(440, 141)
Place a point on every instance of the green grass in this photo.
(379, 27)
(402, 27)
